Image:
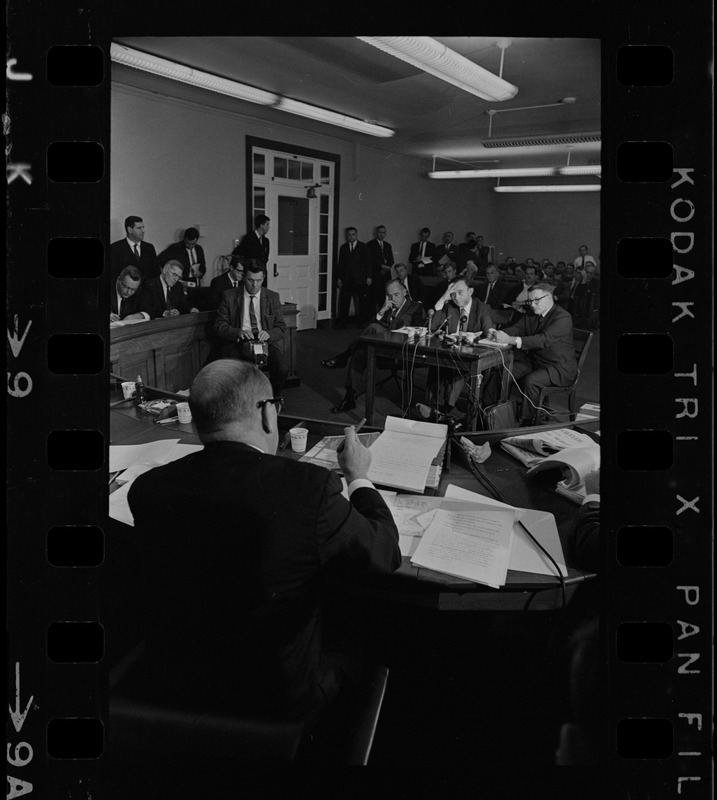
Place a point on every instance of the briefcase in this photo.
(501, 416)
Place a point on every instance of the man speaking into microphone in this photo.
(456, 312)
(396, 312)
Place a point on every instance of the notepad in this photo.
(403, 454)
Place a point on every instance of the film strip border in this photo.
(656, 396)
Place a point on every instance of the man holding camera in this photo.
(250, 321)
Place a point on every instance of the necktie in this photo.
(192, 259)
(405, 286)
(252, 317)
(351, 247)
(487, 292)
(119, 307)
(166, 295)
(420, 249)
(136, 252)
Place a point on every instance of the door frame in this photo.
(250, 142)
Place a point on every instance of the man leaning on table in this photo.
(234, 618)
(125, 299)
(544, 348)
(164, 296)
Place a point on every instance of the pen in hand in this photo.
(340, 448)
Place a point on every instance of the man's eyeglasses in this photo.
(536, 300)
(277, 401)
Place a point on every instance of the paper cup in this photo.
(298, 439)
(183, 412)
(128, 389)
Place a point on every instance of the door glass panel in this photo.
(324, 203)
(259, 164)
(307, 171)
(293, 227)
(279, 167)
(322, 302)
(294, 170)
(325, 173)
(259, 198)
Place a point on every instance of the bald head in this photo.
(224, 396)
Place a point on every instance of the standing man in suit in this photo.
(447, 248)
(124, 300)
(420, 250)
(232, 279)
(133, 250)
(251, 537)
(190, 255)
(396, 312)
(457, 311)
(415, 290)
(381, 263)
(354, 272)
(253, 313)
(545, 349)
(255, 245)
(164, 296)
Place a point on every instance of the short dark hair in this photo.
(426, 230)
(131, 221)
(254, 265)
(471, 243)
(191, 234)
(130, 272)
(352, 228)
(260, 219)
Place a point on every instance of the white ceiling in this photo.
(430, 117)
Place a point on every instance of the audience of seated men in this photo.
(252, 315)
(544, 348)
(190, 255)
(164, 296)
(231, 279)
(420, 251)
(381, 262)
(124, 299)
(236, 543)
(133, 250)
(396, 312)
(456, 312)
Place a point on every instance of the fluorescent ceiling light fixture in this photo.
(565, 187)
(435, 58)
(194, 77)
(517, 172)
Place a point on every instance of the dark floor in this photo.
(321, 388)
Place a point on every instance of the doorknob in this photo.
(276, 272)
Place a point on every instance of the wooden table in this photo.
(409, 584)
(430, 351)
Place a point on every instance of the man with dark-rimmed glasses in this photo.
(544, 347)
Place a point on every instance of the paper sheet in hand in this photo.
(468, 541)
(524, 555)
(402, 454)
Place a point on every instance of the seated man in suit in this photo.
(124, 300)
(164, 296)
(256, 244)
(396, 312)
(457, 312)
(133, 250)
(420, 250)
(232, 279)
(544, 348)
(235, 624)
(190, 255)
(498, 294)
(250, 314)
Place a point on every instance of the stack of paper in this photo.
(404, 452)
(576, 463)
(532, 448)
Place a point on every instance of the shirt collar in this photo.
(132, 244)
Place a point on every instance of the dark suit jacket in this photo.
(450, 250)
(411, 314)
(122, 255)
(228, 324)
(501, 293)
(356, 266)
(379, 257)
(179, 252)
(131, 305)
(251, 247)
(415, 288)
(152, 298)
(235, 544)
(430, 252)
(479, 318)
(548, 341)
(222, 283)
